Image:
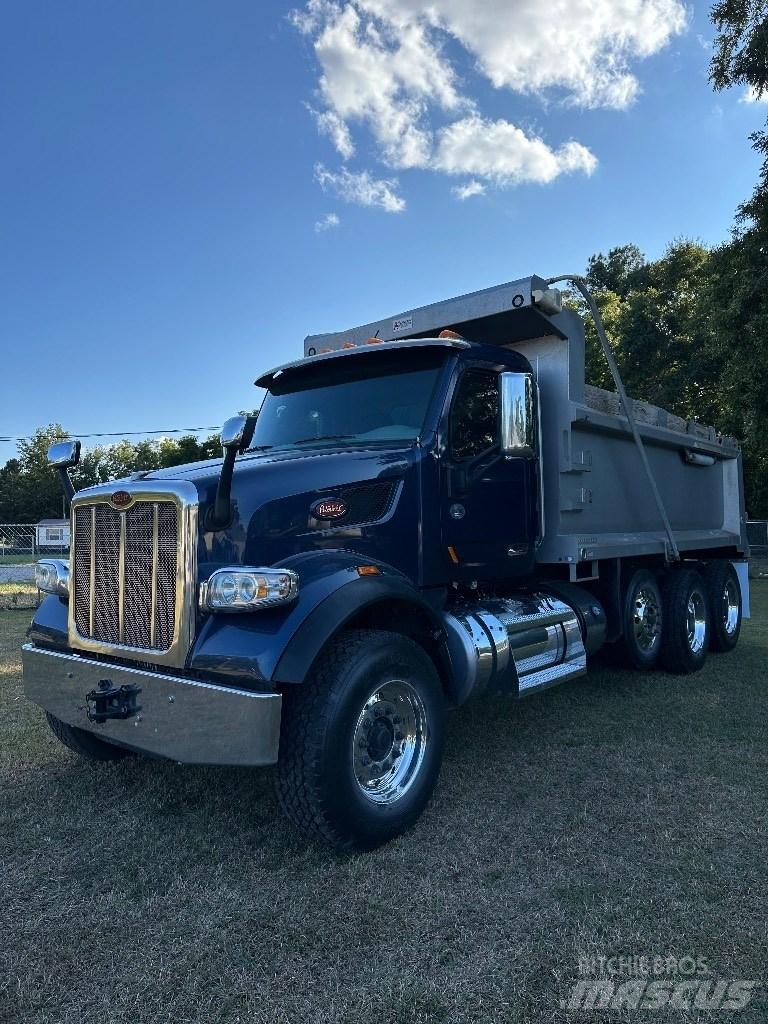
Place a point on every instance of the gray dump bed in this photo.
(597, 499)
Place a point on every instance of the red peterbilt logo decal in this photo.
(329, 508)
(121, 499)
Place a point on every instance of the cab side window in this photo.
(474, 422)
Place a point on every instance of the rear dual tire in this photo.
(678, 620)
(724, 596)
(685, 637)
(642, 621)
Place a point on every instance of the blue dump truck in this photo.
(427, 509)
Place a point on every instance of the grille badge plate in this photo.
(121, 499)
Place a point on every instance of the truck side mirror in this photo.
(236, 436)
(63, 456)
(518, 414)
(237, 432)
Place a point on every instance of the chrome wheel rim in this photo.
(389, 742)
(647, 619)
(730, 607)
(697, 621)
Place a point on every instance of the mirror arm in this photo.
(236, 436)
(66, 483)
(221, 514)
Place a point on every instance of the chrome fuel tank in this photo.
(514, 644)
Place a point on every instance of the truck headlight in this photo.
(239, 589)
(52, 576)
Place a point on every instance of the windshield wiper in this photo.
(258, 448)
(325, 437)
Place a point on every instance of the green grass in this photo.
(623, 814)
(20, 559)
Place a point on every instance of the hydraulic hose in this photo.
(581, 284)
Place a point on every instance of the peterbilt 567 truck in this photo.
(427, 509)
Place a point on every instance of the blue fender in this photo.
(279, 645)
(49, 624)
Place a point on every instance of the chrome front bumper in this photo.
(180, 719)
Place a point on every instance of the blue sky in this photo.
(162, 203)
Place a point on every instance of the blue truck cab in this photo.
(391, 536)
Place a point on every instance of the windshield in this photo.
(370, 398)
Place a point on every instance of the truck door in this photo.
(488, 515)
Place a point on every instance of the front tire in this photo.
(724, 594)
(85, 744)
(685, 636)
(361, 742)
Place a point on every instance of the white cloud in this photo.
(468, 189)
(384, 69)
(753, 96)
(361, 188)
(503, 153)
(329, 123)
(382, 76)
(581, 46)
(330, 220)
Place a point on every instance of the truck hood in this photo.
(273, 495)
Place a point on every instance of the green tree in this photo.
(30, 489)
(654, 319)
(740, 59)
(623, 270)
(38, 491)
(9, 491)
(737, 288)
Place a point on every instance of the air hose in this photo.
(580, 284)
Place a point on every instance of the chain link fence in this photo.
(18, 542)
(757, 535)
(22, 542)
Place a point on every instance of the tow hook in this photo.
(111, 701)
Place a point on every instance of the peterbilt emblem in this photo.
(329, 508)
(121, 498)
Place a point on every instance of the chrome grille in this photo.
(125, 571)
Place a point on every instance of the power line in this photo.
(126, 433)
